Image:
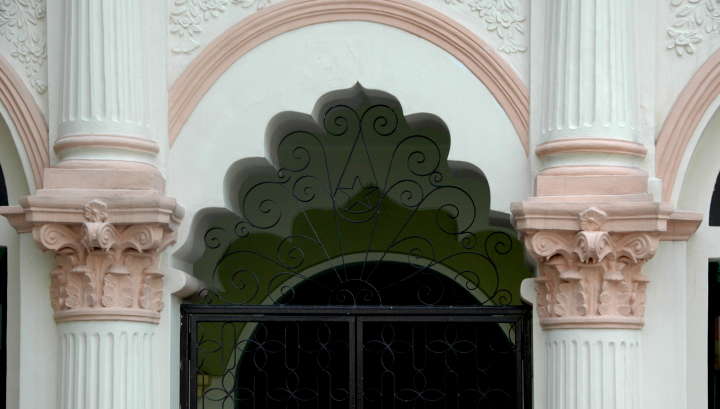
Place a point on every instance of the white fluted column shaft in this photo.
(106, 365)
(592, 368)
(105, 101)
(589, 114)
(588, 136)
(589, 74)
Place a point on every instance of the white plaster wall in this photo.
(697, 187)
(663, 339)
(38, 333)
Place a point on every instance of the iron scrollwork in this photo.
(346, 197)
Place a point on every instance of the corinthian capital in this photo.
(107, 246)
(103, 269)
(591, 278)
(590, 259)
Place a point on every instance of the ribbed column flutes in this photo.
(589, 87)
(104, 98)
(593, 369)
(588, 132)
(106, 365)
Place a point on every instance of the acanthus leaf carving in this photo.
(117, 287)
(592, 247)
(104, 268)
(151, 297)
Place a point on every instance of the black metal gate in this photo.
(355, 357)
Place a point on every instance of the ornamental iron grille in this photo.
(356, 267)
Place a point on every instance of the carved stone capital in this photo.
(105, 270)
(107, 245)
(591, 275)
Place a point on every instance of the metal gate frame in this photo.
(520, 316)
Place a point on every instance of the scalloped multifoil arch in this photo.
(683, 122)
(25, 120)
(494, 72)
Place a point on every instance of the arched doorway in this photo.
(356, 267)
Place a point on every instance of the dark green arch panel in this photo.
(356, 184)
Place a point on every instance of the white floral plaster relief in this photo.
(187, 18)
(23, 26)
(693, 21)
(504, 18)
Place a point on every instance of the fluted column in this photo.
(588, 139)
(102, 212)
(106, 288)
(104, 113)
(592, 224)
(593, 370)
(106, 365)
(589, 77)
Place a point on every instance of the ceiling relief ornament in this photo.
(187, 18)
(591, 277)
(502, 17)
(105, 269)
(693, 20)
(22, 24)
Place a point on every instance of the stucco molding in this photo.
(590, 258)
(27, 120)
(422, 21)
(682, 122)
(123, 142)
(591, 145)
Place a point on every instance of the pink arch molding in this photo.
(682, 122)
(410, 16)
(27, 119)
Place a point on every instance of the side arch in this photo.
(25, 121)
(412, 17)
(682, 123)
